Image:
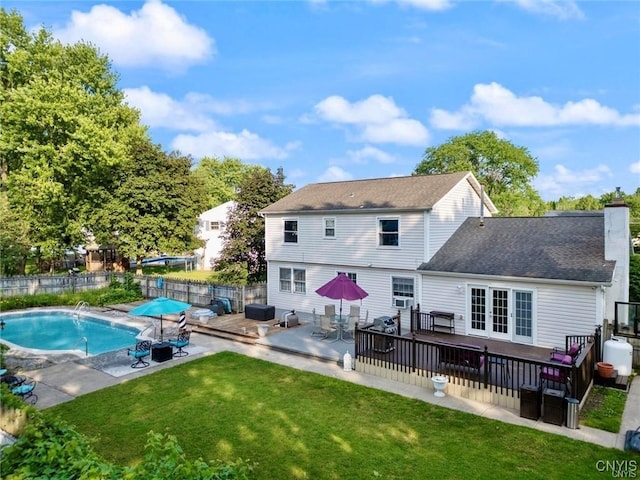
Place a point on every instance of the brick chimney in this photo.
(617, 247)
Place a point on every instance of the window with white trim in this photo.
(290, 231)
(329, 227)
(402, 287)
(389, 232)
(293, 280)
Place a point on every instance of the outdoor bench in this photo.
(453, 357)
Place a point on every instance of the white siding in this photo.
(450, 212)
(376, 282)
(355, 243)
(559, 310)
(565, 310)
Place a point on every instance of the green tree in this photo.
(14, 239)
(65, 128)
(155, 207)
(505, 169)
(221, 178)
(243, 255)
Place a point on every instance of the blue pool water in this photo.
(60, 330)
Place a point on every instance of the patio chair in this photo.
(559, 355)
(354, 311)
(317, 328)
(25, 391)
(350, 327)
(139, 352)
(180, 342)
(327, 326)
(363, 320)
(330, 310)
(555, 378)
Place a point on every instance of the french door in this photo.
(501, 313)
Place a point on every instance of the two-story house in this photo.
(432, 240)
(210, 228)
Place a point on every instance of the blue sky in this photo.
(359, 89)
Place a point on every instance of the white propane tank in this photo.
(619, 353)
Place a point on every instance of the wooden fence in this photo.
(193, 292)
(473, 373)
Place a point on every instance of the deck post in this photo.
(486, 367)
(414, 352)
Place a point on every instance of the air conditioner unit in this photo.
(402, 302)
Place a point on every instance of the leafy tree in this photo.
(221, 178)
(14, 239)
(65, 127)
(243, 255)
(155, 207)
(504, 169)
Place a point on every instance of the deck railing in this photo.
(470, 367)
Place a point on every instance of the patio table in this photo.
(340, 321)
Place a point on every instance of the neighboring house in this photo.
(431, 240)
(210, 228)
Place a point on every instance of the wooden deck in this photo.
(495, 346)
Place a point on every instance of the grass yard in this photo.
(603, 409)
(300, 425)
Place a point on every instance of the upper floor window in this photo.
(329, 227)
(291, 231)
(388, 232)
(216, 225)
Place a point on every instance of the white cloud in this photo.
(364, 154)
(635, 167)
(334, 174)
(160, 110)
(244, 145)
(498, 106)
(564, 180)
(430, 5)
(155, 35)
(561, 9)
(377, 119)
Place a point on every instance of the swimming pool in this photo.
(53, 330)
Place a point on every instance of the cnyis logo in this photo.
(618, 468)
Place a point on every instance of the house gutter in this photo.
(347, 210)
(494, 278)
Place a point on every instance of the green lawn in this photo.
(300, 425)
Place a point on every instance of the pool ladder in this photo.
(86, 345)
(79, 308)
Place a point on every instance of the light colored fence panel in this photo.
(195, 293)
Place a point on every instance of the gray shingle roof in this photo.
(561, 248)
(420, 192)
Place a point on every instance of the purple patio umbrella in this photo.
(343, 288)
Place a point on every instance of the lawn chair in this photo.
(180, 342)
(350, 328)
(141, 350)
(25, 391)
(559, 355)
(317, 328)
(327, 326)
